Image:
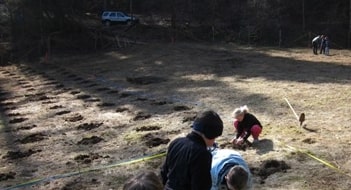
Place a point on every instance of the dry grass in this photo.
(198, 76)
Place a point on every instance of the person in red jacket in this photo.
(245, 124)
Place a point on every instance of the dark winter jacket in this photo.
(187, 165)
(246, 124)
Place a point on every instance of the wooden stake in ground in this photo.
(301, 119)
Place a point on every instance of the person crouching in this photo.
(245, 124)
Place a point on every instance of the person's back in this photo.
(188, 161)
(223, 161)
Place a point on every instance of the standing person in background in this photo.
(188, 162)
(144, 181)
(322, 51)
(245, 124)
(315, 44)
(327, 45)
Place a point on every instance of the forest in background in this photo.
(30, 25)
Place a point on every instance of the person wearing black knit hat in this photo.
(188, 161)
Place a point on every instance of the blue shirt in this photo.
(220, 159)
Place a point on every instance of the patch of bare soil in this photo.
(159, 103)
(12, 155)
(153, 140)
(6, 176)
(90, 140)
(18, 120)
(64, 112)
(145, 80)
(181, 108)
(269, 167)
(309, 141)
(148, 128)
(56, 107)
(28, 127)
(13, 114)
(88, 158)
(122, 109)
(33, 138)
(89, 126)
(106, 104)
(74, 118)
(141, 116)
(189, 117)
(102, 89)
(83, 96)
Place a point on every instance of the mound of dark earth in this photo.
(74, 118)
(12, 155)
(181, 108)
(144, 80)
(309, 141)
(63, 112)
(6, 176)
(269, 167)
(90, 141)
(148, 128)
(28, 127)
(106, 104)
(141, 116)
(56, 107)
(89, 126)
(152, 140)
(18, 120)
(33, 138)
(88, 158)
(122, 109)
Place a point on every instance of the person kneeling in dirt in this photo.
(245, 124)
(144, 181)
(188, 161)
(229, 171)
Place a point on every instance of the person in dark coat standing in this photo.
(188, 161)
(315, 44)
(245, 124)
(323, 44)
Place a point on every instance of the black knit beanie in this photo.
(208, 123)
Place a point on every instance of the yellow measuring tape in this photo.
(320, 160)
(87, 170)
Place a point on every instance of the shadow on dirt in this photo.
(264, 146)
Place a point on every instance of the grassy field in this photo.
(94, 110)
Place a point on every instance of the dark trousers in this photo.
(322, 50)
(315, 48)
